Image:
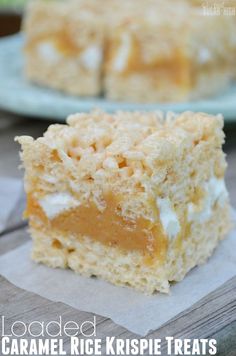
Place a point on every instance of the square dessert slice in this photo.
(225, 9)
(64, 45)
(136, 199)
(168, 53)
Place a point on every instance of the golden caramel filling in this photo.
(176, 66)
(107, 227)
(184, 233)
(197, 196)
(62, 42)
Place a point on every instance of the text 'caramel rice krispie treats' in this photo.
(136, 199)
(141, 51)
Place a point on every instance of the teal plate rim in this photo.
(21, 97)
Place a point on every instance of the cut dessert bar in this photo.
(225, 9)
(137, 199)
(142, 50)
(64, 45)
(168, 53)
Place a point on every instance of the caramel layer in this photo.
(177, 66)
(62, 42)
(107, 227)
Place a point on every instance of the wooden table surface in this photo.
(212, 317)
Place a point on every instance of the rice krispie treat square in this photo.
(64, 45)
(136, 199)
(166, 53)
(225, 9)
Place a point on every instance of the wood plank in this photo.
(11, 126)
(9, 162)
(231, 175)
(10, 241)
(226, 340)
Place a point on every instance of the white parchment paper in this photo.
(11, 192)
(132, 310)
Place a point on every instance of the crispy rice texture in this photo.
(57, 37)
(138, 157)
(153, 88)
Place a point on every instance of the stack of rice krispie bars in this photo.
(138, 51)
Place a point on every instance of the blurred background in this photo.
(12, 3)
(10, 16)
